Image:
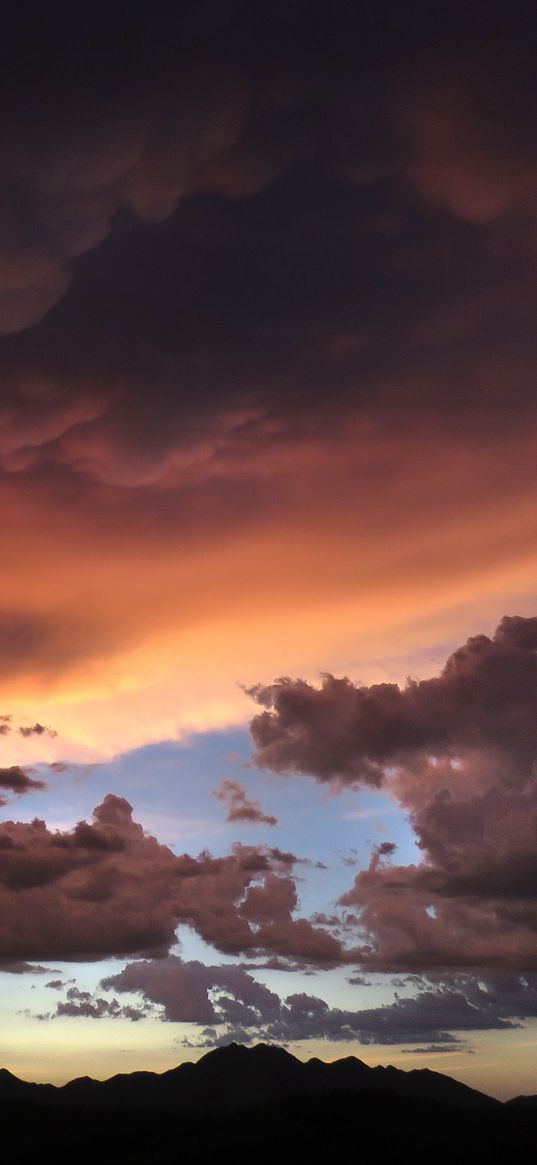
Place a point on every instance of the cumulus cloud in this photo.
(19, 781)
(485, 697)
(240, 806)
(106, 887)
(191, 992)
(459, 752)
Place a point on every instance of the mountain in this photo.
(261, 1105)
(235, 1078)
(522, 1102)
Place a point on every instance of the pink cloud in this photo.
(240, 806)
(19, 781)
(106, 887)
(459, 752)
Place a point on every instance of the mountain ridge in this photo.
(234, 1077)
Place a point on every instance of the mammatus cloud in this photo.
(240, 806)
(19, 781)
(459, 752)
(173, 174)
(80, 168)
(107, 888)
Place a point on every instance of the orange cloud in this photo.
(137, 612)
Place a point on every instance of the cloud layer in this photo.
(227, 1002)
(309, 244)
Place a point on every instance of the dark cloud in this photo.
(81, 164)
(82, 1003)
(298, 237)
(217, 201)
(36, 730)
(43, 643)
(471, 901)
(19, 967)
(6, 725)
(240, 806)
(19, 781)
(385, 849)
(229, 1003)
(194, 993)
(485, 697)
(106, 887)
(460, 754)
(433, 1049)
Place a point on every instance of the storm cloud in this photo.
(309, 242)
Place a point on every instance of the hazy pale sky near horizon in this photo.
(268, 615)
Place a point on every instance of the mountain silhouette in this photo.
(233, 1078)
(261, 1105)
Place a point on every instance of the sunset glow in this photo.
(268, 616)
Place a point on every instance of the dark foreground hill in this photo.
(234, 1078)
(261, 1105)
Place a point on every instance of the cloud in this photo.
(36, 730)
(240, 806)
(82, 1003)
(484, 698)
(433, 1049)
(18, 781)
(106, 887)
(192, 992)
(81, 165)
(228, 1003)
(459, 753)
(173, 174)
(460, 125)
(19, 967)
(42, 644)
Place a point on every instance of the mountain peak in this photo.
(233, 1078)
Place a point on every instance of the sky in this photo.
(268, 604)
